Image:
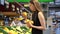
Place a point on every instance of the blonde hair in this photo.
(37, 5)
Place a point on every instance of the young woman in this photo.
(37, 17)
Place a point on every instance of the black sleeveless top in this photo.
(36, 23)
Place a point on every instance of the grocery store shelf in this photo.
(10, 13)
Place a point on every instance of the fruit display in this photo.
(20, 18)
(24, 13)
(15, 30)
(29, 21)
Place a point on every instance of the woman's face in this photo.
(32, 7)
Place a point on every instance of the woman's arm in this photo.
(42, 22)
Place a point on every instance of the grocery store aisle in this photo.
(47, 31)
